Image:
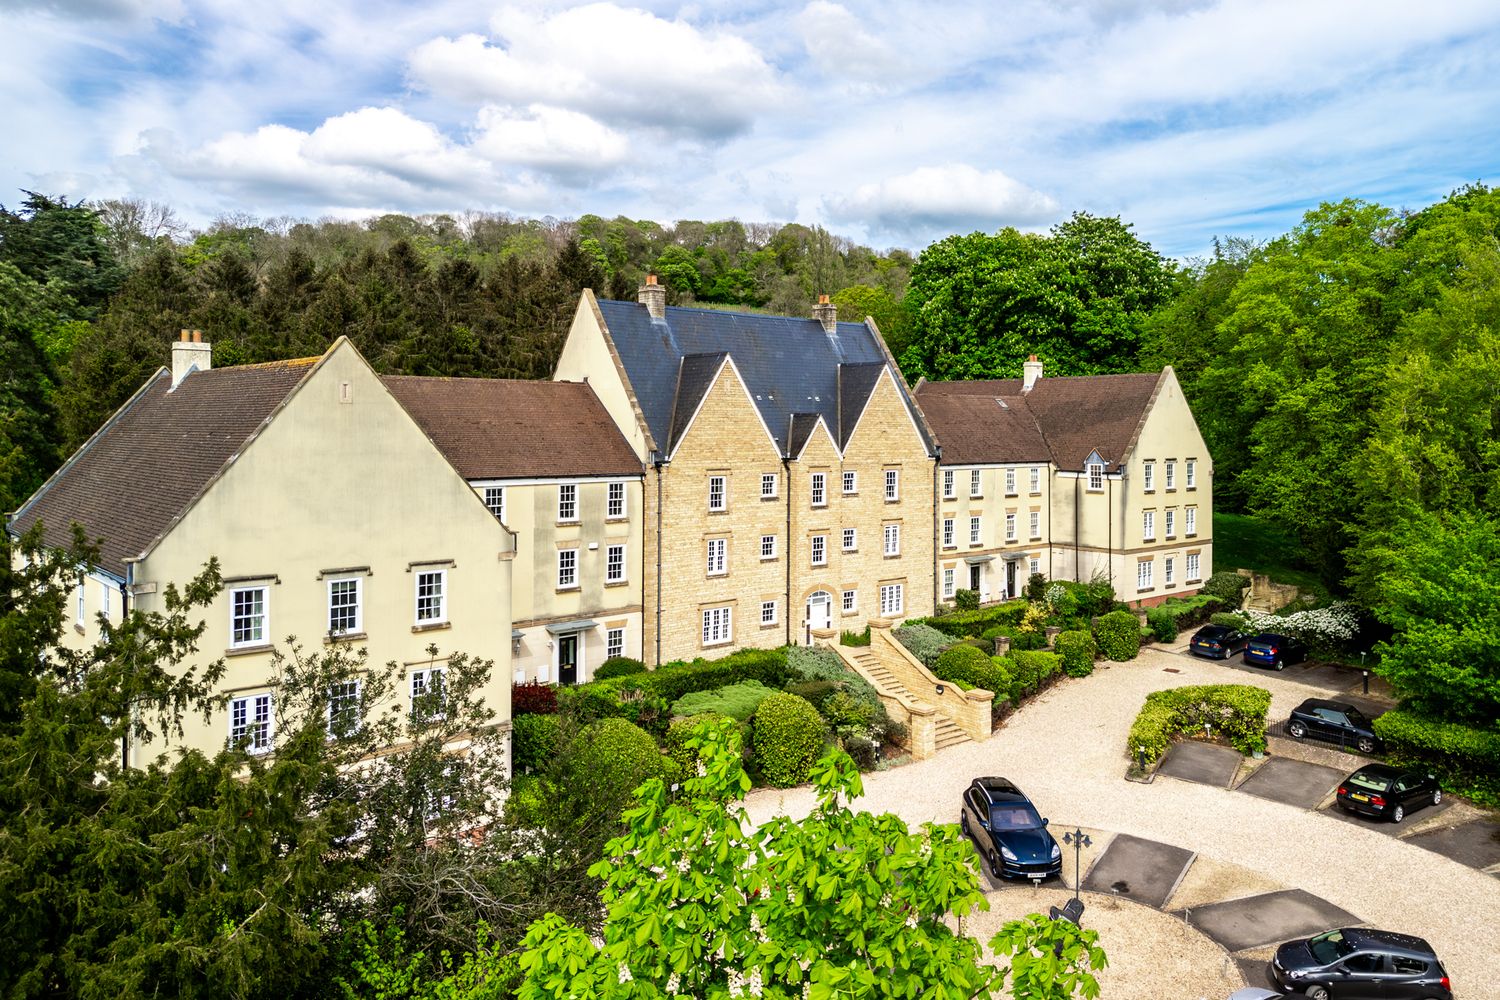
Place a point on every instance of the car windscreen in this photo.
(1015, 816)
(1369, 782)
(1329, 947)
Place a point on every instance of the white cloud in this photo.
(553, 139)
(608, 62)
(938, 200)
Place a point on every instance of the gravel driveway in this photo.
(1065, 749)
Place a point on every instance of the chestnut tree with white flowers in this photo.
(839, 904)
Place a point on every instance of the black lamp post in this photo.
(1079, 840)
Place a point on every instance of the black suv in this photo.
(1362, 965)
(1010, 834)
(1334, 721)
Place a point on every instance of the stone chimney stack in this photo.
(827, 313)
(653, 297)
(188, 353)
(1033, 372)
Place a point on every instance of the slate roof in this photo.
(695, 376)
(1065, 419)
(146, 466)
(516, 428)
(788, 365)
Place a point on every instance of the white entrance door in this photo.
(819, 614)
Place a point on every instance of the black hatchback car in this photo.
(1387, 792)
(1217, 642)
(1335, 722)
(1361, 964)
(1271, 649)
(1010, 834)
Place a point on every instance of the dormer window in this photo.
(1096, 475)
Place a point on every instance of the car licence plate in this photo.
(1359, 798)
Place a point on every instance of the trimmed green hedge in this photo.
(644, 698)
(619, 666)
(617, 754)
(1031, 669)
(1118, 635)
(1237, 711)
(1230, 619)
(1465, 757)
(961, 664)
(1162, 623)
(962, 624)
(787, 735)
(738, 701)
(1077, 650)
(534, 740)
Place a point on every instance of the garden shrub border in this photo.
(1237, 711)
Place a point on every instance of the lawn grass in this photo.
(1245, 542)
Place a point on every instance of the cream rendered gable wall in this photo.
(355, 488)
(587, 356)
(726, 438)
(1168, 433)
(531, 511)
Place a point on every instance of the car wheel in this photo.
(1280, 665)
(995, 864)
(1366, 745)
(1398, 814)
(1296, 730)
(1437, 797)
(1317, 992)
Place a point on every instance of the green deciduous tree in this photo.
(840, 904)
(1078, 297)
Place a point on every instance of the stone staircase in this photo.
(937, 715)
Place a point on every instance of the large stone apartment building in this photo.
(332, 516)
(1073, 478)
(692, 481)
(789, 472)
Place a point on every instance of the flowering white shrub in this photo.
(1055, 593)
(1322, 626)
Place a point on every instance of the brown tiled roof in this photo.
(155, 456)
(515, 428)
(1074, 416)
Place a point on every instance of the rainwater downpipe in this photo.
(786, 548)
(656, 463)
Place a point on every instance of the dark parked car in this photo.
(1362, 965)
(1217, 642)
(1010, 834)
(1270, 649)
(1388, 792)
(1335, 722)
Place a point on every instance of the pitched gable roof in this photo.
(156, 455)
(856, 383)
(695, 376)
(1073, 416)
(788, 365)
(516, 428)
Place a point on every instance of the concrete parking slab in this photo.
(1257, 972)
(1203, 763)
(1292, 782)
(1385, 826)
(1269, 918)
(1475, 844)
(1331, 676)
(1143, 870)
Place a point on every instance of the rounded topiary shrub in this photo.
(619, 666)
(617, 755)
(1077, 650)
(1118, 635)
(962, 664)
(965, 600)
(533, 740)
(786, 734)
(1227, 586)
(685, 757)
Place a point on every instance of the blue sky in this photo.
(892, 123)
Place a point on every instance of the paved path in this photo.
(1066, 749)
